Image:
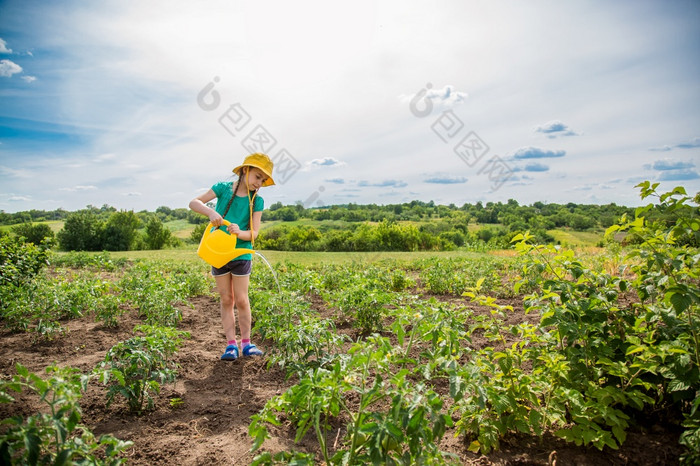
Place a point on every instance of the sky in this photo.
(145, 104)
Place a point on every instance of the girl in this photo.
(239, 204)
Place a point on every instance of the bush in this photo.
(196, 235)
(120, 231)
(157, 235)
(19, 261)
(83, 231)
(35, 233)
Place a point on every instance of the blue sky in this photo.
(144, 104)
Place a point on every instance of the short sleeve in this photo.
(219, 188)
(259, 204)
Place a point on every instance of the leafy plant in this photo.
(136, 368)
(81, 259)
(408, 432)
(155, 289)
(366, 305)
(56, 437)
(301, 340)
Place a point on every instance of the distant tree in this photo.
(581, 222)
(157, 235)
(455, 237)
(196, 235)
(35, 233)
(120, 231)
(337, 240)
(287, 214)
(302, 238)
(196, 218)
(322, 214)
(81, 232)
(164, 210)
(561, 217)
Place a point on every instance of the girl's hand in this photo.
(216, 219)
(234, 229)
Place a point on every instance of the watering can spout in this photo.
(218, 247)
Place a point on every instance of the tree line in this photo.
(86, 230)
(411, 226)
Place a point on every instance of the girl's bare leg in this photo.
(240, 291)
(224, 285)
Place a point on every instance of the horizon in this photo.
(142, 105)
(267, 207)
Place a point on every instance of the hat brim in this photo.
(268, 182)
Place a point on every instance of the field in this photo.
(376, 355)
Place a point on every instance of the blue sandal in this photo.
(251, 350)
(231, 353)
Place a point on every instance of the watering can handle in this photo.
(239, 251)
(225, 223)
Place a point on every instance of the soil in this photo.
(214, 400)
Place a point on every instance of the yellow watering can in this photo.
(218, 246)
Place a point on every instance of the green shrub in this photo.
(36, 233)
(120, 231)
(82, 231)
(157, 235)
(20, 261)
(56, 436)
(136, 368)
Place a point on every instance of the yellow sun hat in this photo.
(260, 161)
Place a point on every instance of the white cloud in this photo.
(3, 47)
(331, 86)
(29, 79)
(383, 184)
(104, 157)
(447, 96)
(8, 68)
(555, 128)
(669, 164)
(326, 162)
(678, 175)
(536, 153)
(446, 179)
(693, 143)
(688, 144)
(79, 188)
(15, 173)
(531, 167)
(660, 149)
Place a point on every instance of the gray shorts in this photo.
(237, 268)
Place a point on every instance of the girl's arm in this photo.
(198, 204)
(246, 235)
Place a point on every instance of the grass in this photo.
(180, 228)
(189, 254)
(321, 225)
(316, 258)
(55, 225)
(576, 238)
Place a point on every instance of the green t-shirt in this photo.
(238, 213)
